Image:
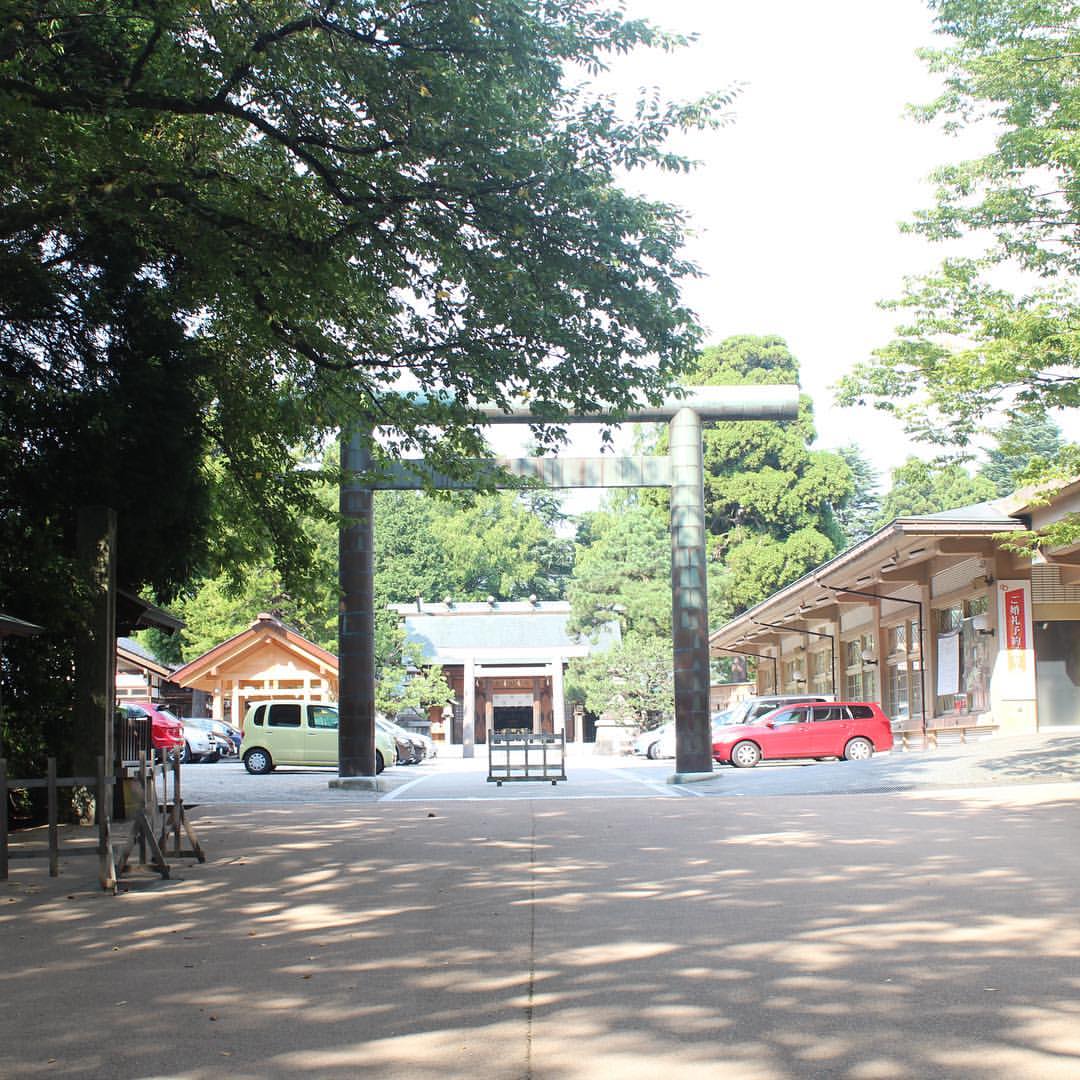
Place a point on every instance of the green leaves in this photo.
(980, 339)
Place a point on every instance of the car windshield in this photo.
(723, 719)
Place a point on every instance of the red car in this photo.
(166, 732)
(851, 730)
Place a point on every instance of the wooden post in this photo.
(54, 840)
(3, 820)
(176, 805)
(106, 867)
(95, 660)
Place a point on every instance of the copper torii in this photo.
(682, 471)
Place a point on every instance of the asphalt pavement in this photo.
(612, 926)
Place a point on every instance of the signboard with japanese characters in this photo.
(1016, 660)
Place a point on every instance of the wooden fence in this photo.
(157, 817)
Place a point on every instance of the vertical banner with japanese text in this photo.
(1017, 671)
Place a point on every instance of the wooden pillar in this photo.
(95, 655)
(356, 611)
(558, 696)
(929, 655)
(468, 722)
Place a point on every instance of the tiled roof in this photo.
(513, 633)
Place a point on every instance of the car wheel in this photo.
(858, 750)
(379, 763)
(654, 751)
(258, 762)
(745, 755)
(185, 755)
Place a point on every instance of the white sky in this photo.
(796, 204)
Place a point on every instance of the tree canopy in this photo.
(998, 330)
(622, 569)
(857, 512)
(768, 496)
(925, 487)
(259, 217)
(1026, 444)
(227, 230)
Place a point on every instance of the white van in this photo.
(299, 733)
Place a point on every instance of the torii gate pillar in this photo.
(689, 598)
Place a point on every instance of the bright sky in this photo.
(796, 204)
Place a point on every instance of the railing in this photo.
(101, 785)
(131, 735)
(157, 817)
(516, 756)
(938, 734)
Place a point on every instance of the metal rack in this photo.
(515, 756)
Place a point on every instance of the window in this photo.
(257, 716)
(897, 638)
(284, 716)
(824, 713)
(322, 717)
(861, 712)
(971, 657)
(789, 716)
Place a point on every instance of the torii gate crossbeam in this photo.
(682, 472)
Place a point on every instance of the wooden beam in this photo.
(965, 545)
(915, 572)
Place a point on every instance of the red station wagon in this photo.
(851, 730)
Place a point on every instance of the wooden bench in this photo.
(938, 733)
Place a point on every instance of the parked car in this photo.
(166, 731)
(657, 742)
(431, 747)
(660, 742)
(410, 750)
(852, 730)
(228, 738)
(199, 744)
(299, 733)
(743, 712)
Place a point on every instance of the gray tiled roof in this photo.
(509, 633)
(984, 511)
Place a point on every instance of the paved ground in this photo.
(451, 929)
(1047, 758)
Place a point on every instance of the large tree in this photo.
(226, 230)
(1025, 446)
(858, 511)
(999, 330)
(768, 495)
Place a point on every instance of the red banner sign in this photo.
(1015, 620)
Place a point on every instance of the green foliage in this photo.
(622, 572)
(857, 513)
(1028, 443)
(398, 689)
(923, 487)
(972, 347)
(768, 497)
(629, 681)
(227, 230)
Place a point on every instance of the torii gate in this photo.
(682, 471)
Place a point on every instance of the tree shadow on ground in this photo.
(861, 937)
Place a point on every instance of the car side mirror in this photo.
(770, 724)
